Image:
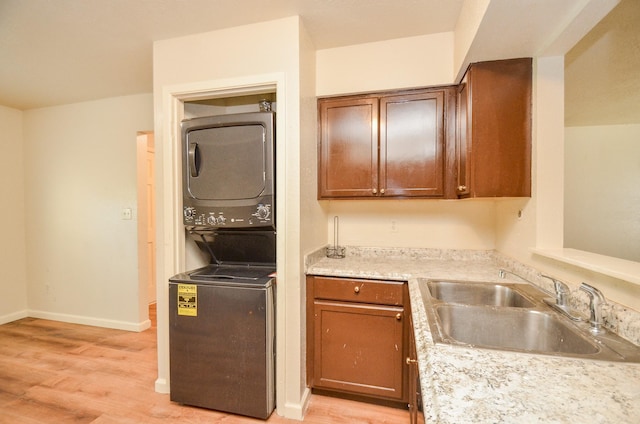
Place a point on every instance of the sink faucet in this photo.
(561, 290)
(560, 303)
(596, 300)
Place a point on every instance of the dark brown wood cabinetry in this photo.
(494, 130)
(357, 337)
(388, 145)
(469, 140)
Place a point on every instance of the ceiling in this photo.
(66, 51)
(55, 52)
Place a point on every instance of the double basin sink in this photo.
(513, 317)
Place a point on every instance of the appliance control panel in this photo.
(232, 217)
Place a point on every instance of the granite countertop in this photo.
(472, 385)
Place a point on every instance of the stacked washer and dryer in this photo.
(221, 316)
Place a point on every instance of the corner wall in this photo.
(80, 175)
(13, 256)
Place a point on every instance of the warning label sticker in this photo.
(188, 300)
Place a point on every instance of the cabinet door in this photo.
(359, 348)
(412, 145)
(499, 130)
(348, 147)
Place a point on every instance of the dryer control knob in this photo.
(211, 220)
(263, 212)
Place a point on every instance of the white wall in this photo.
(275, 52)
(392, 64)
(13, 285)
(81, 173)
(602, 197)
(467, 26)
(385, 65)
(439, 224)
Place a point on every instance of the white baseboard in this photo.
(296, 411)
(162, 386)
(14, 316)
(96, 322)
(306, 398)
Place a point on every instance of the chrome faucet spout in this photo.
(596, 300)
(502, 273)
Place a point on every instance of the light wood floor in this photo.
(53, 372)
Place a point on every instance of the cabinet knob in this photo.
(356, 289)
(462, 188)
(410, 361)
(375, 191)
(398, 316)
(381, 191)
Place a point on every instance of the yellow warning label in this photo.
(188, 300)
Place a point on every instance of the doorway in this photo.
(145, 149)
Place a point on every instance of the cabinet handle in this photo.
(410, 361)
(375, 191)
(356, 289)
(398, 316)
(462, 188)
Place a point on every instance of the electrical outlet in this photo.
(127, 214)
(394, 226)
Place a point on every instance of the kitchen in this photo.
(306, 73)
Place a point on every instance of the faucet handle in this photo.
(560, 303)
(594, 293)
(561, 290)
(596, 300)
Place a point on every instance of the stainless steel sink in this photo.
(477, 294)
(514, 329)
(514, 317)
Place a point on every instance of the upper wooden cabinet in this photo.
(469, 140)
(387, 145)
(494, 130)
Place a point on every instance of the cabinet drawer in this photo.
(360, 291)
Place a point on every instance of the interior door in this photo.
(146, 216)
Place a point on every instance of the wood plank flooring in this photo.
(54, 372)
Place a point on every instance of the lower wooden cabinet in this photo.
(357, 337)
